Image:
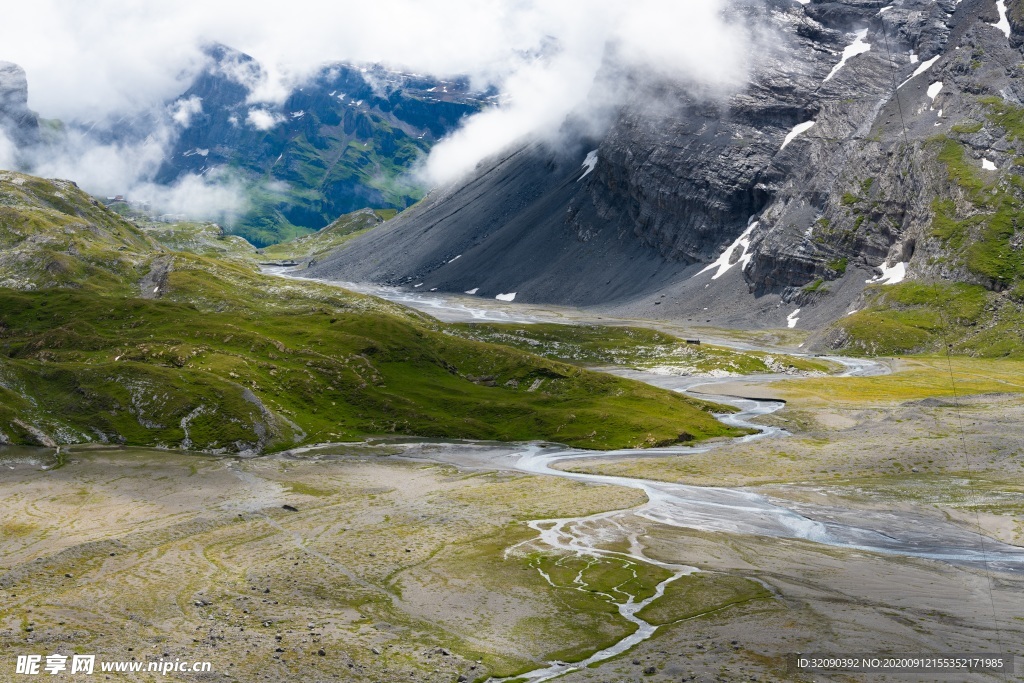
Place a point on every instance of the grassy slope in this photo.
(205, 239)
(334, 235)
(240, 361)
(53, 235)
(631, 346)
(918, 378)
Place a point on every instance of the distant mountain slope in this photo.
(812, 189)
(503, 232)
(344, 141)
(347, 139)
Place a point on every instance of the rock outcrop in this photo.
(17, 122)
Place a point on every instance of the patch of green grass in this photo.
(697, 594)
(984, 236)
(914, 317)
(572, 624)
(226, 359)
(11, 529)
(204, 239)
(980, 229)
(849, 199)
(331, 237)
(629, 346)
(54, 235)
(1005, 115)
(135, 369)
(307, 490)
(967, 127)
(839, 265)
(922, 377)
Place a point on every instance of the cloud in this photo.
(219, 198)
(126, 168)
(101, 168)
(111, 58)
(261, 119)
(601, 46)
(8, 153)
(182, 111)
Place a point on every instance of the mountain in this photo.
(17, 122)
(346, 139)
(873, 149)
(115, 333)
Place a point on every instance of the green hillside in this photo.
(107, 336)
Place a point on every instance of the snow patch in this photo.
(589, 163)
(1003, 24)
(934, 89)
(506, 297)
(722, 262)
(456, 258)
(889, 276)
(419, 285)
(857, 47)
(792, 319)
(473, 291)
(920, 70)
(988, 165)
(797, 130)
(914, 59)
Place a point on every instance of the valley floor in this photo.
(401, 561)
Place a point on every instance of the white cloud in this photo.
(203, 197)
(261, 119)
(126, 169)
(102, 168)
(600, 45)
(88, 61)
(182, 111)
(8, 154)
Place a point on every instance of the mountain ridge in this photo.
(838, 175)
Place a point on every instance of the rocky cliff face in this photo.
(827, 170)
(18, 123)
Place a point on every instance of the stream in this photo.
(723, 510)
(714, 509)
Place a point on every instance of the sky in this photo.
(90, 61)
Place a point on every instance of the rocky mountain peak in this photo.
(17, 122)
(13, 87)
